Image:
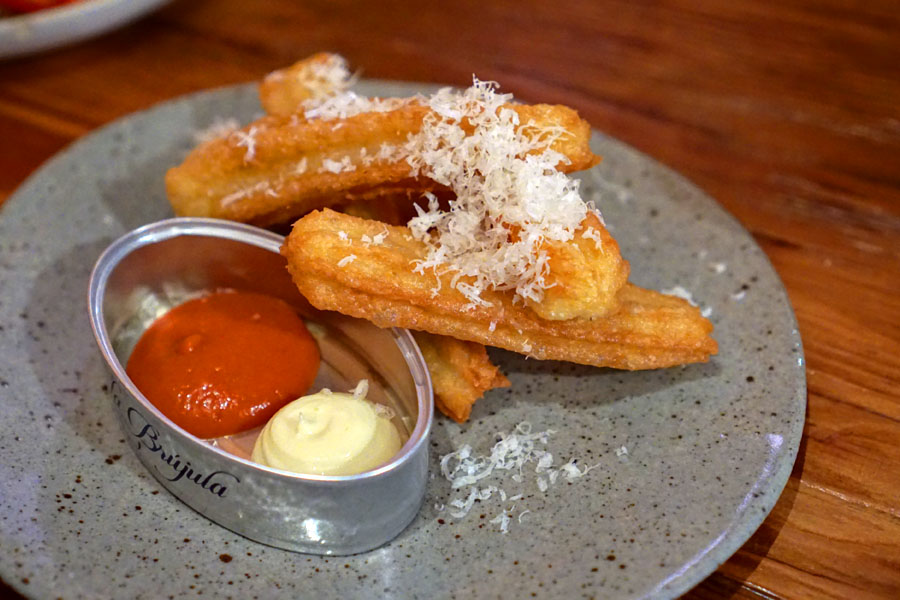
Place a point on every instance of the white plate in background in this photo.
(54, 27)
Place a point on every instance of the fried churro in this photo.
(498, 247)
(337, 265)
(585, 275)
(288, 91)
(279, 168)
(461, 372)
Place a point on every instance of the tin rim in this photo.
(203, 227)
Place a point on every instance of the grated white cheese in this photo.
(511, 453)
(263, 186)
(571, 470)
(378, 238)
(361, 389)
(346, 260)
(349, 104)
(247, 139)
(509, 198)
(389, 152)
(384, 411)
(680, 292)
(592, 234)
(333, 166)
(503, 520)
(466, 505)
(330, 76)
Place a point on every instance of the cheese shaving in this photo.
(680, 292)
(503, 520)
(349, 104)
(330, 76)
(263, 186)
(510, 198)
(346, 260)
(571, 470)
(684, 294)
(718, 267)
(592, 234)
(511, 453)
(247, 139)
(362, 389)
(333, 166)
(384, 411)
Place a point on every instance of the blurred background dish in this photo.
(26, 33)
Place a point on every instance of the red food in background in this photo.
(25, 6)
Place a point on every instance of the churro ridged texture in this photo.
(281, 167)
(461, 372)
(287, 91)
(335, 269)
(584, 275)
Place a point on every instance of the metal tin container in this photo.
(158, 266)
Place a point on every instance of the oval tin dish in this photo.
(155, 267)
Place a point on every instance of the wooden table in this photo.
(788, 113)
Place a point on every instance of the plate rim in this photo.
(703, 564)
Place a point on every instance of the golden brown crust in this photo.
(649, 330)
(275, 168)
(284, 91)
(461, 372)
(585, 275)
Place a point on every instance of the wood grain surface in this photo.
(786, 112)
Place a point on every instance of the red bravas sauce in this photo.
(224, 363)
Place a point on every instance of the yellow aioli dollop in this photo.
(328, 433)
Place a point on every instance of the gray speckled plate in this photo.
(688, 460)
